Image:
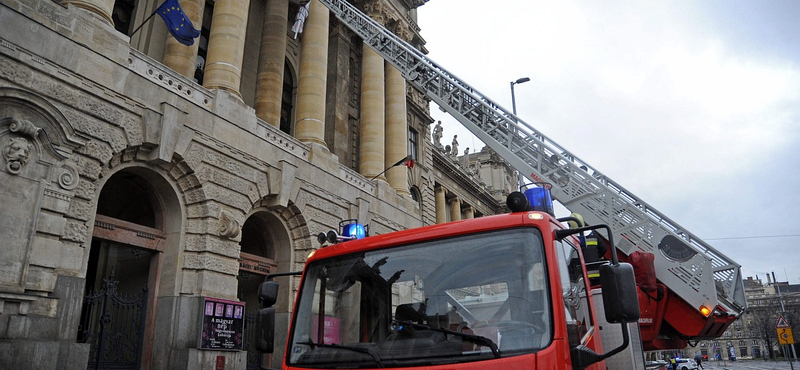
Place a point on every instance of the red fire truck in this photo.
(508, 291)
(521, 290)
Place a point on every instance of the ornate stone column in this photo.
(271, 62)
(441, 205)
(103, 8)
(396, 129)
(311, 84)
(470, 212)
(455, 210)
(373, 131)
(181, 58)
(226, 46)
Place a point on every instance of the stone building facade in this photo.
(140, 176)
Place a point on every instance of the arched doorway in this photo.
(262, 234)
(127, 241)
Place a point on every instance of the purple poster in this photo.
(222, 326)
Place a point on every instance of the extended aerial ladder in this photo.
(696, 272)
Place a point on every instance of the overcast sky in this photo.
(692, 106)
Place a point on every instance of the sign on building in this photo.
(222, 326)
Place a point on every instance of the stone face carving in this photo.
(17, 153)
(228, 227)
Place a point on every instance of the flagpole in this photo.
(143, 23)
(390, 167)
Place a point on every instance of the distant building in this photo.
(754, 335)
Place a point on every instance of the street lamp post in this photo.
(514, 110)
(513, 100)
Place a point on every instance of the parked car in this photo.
(686, 364)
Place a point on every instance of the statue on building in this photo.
(454, 146)
(437, 135)
(465, 160)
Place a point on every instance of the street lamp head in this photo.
(521, 80)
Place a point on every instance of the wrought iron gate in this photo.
(113, 323)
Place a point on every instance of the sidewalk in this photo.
(750, 365)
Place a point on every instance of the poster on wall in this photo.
(222, 326)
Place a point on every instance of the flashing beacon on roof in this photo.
(348, 230)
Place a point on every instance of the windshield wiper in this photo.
(474, 338)
(368, 351)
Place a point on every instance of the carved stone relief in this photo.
(228, 227)
(16, 152)
(36, 141)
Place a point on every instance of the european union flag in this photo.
(177, 22)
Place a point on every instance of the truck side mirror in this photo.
(620, 298)
(268, 293)
(265, 318)
(265, 330)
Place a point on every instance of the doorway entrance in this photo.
(122, 274)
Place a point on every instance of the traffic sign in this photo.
(782, 323)
(785, 336)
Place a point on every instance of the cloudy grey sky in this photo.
(694, 106)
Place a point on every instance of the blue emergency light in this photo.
(540, 200)
(354, 231)
(348, 230)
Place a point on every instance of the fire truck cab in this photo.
(504, 291)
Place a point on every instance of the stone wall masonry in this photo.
(44, 307)
(86, 190)
(179, 170)
(210, 262)
(201, 225)
(319, 221)
(99, 150)
(321, 199)
(41, 279)
(76, 231)
(93, 127)
(232, 160)
(45, 252)
(203, 210)
(300, 258)
(222, 195)
(52, 224)
(53, 253)
(209, 174)
(68, 90)
(87, 167)
(189, 182)
(188, 282)
(293, 218)
(81, 209)
(56, 201)
(379, 226)
(212, 244)
(220, 284)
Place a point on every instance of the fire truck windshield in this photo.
(471, 298)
